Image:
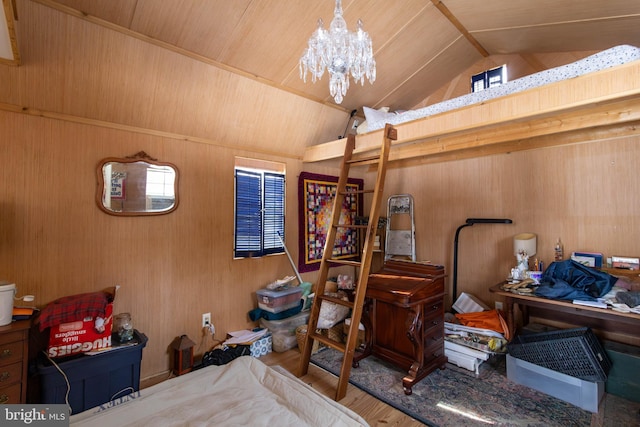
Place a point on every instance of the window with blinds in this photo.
(490, 78)
(259, 208)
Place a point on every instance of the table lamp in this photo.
(524, 246)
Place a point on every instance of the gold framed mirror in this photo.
(137, 185)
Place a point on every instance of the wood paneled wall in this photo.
(54, 241)
(80, 107)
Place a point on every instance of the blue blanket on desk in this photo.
(569, 280)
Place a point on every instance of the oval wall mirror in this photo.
(137, 185)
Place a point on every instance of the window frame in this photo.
(259, 210)
(489, 78)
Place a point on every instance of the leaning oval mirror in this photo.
(137, 185)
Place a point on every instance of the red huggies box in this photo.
(89, 334)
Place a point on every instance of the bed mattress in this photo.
(608, 58)
(245, 392)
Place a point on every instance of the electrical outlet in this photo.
(206, 319)
(498, 305)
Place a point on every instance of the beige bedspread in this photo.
(244, 392)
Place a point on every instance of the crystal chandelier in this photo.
(341, 52)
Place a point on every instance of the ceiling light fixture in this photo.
(341, 52)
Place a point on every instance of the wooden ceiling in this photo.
(419, 45)
(226, 71)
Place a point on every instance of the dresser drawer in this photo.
(10, 374)
(11, 394)
(11, 336)
(11, 352)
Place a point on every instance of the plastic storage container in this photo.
(287, 325)
(276, 301)
(584, 394)
(575, 352)
(94, 380)
(284, 330)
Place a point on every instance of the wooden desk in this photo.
(597, 318)
(404, 319)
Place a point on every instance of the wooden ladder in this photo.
(364, 264)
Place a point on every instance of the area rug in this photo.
(457, 397)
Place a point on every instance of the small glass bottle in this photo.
(559, 252)
(123, 327)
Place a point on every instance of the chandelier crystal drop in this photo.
(341, 52)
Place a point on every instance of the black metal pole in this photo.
(468, 223)
(454, 290)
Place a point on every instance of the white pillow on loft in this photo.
(376, 119)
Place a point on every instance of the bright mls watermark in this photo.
(34, 415)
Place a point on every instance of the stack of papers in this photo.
(246, 336)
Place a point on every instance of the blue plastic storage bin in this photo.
(94, 380)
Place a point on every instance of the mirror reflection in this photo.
(137, 185)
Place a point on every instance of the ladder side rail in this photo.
(367, 255)
(305, 357)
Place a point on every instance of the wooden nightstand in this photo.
(14, 353)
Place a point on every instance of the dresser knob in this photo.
(4, 399)
(6, 352)
(4, 376)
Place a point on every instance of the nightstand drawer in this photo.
(11, 352)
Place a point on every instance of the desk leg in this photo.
(415, 332)
(368, 334)
(511, 322)
(525, 314)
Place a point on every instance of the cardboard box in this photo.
(584, 394)
(71, 338)
(627, 263)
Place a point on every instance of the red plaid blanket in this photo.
(74, 308)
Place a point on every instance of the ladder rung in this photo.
(340, 346)
(345, 262)
(335, 300)
(351, 226)
(367, 159)
(370, 190)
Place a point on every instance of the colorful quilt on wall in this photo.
(316, 194)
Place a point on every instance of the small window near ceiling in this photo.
(259, 208)
(490, 78)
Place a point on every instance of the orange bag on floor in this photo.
(491, 319)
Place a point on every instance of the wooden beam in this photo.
(136, 129)
(473, 139)
(463, 30)
(602, 133)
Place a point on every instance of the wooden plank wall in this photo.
(54, 241)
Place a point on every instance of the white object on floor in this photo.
(462, 360)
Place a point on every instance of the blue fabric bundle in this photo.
(570, 280)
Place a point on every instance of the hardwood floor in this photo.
(374, 411)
